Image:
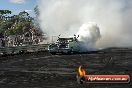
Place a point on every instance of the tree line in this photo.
(17, 24)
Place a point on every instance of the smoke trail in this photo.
(88, 33)
(66, 16)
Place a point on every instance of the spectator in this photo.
(3, 42)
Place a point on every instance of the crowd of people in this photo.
(20, 40)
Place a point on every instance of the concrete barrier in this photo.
(18, 49)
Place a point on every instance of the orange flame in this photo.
(81, 71)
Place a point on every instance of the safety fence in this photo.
(28, 48)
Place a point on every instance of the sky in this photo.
(17, 6)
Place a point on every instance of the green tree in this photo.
(4, 12)
(16, 24)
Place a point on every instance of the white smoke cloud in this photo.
(89, 34)
(66, 16)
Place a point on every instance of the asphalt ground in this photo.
(43, 70)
